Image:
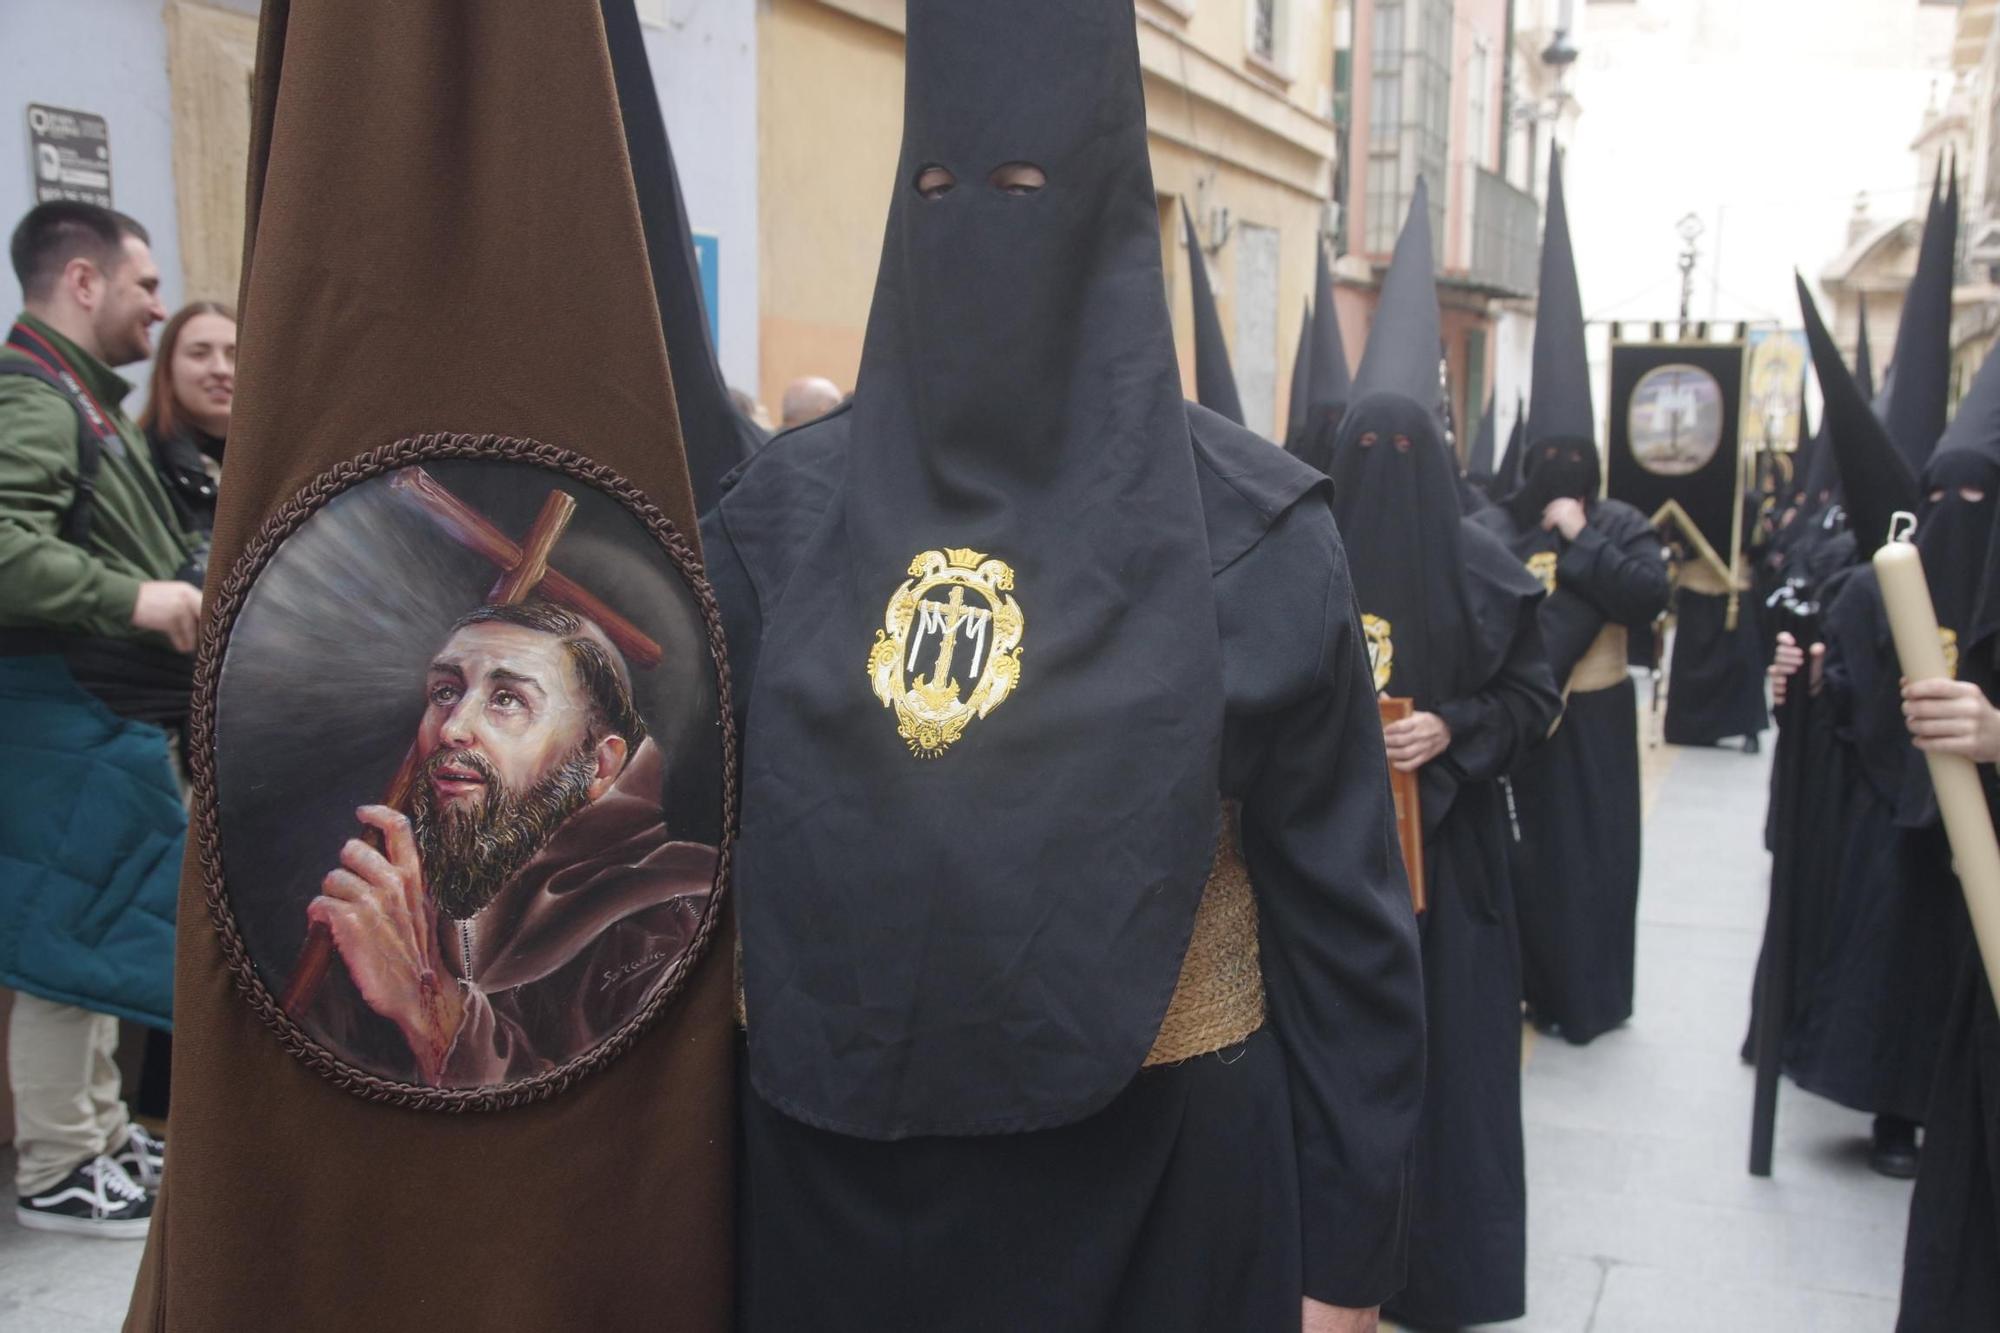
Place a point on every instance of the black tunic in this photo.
(1576, 866)
(1868, 1038)
(1951, 1261)
(1468, 1220)
(1715, 689)
(1211, 1194)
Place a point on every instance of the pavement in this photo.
(1642, 1215)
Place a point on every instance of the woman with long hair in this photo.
(187, 406)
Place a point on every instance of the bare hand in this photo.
(1415, 741)
(1318, 1318)
(386, 930)
(1565, 516)
(171, 608)
(1786, 662)
(1952, 717)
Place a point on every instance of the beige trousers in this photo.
(66, 1104)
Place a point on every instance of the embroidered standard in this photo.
(953, 610)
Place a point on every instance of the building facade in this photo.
(1449, 91)
(1239, 98)
(172, 84)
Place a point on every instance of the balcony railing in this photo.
(1506, 241)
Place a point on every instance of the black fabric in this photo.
(1576, 864)
(1301, 396)
(1449, 615)
(1019, 397)
(716, 435)
(1302, 752)
(1468, 1215)
(1479, 463)
(1975, 430)
(1329, 388)
(1864, 358)
(182, 460)
(1715, 688)
(1559, 406)
(1955, 541)
(1508, 477)
(1868, 1036)
(1875, 480)
(1951, 1259)
(1214, 382)
(1921, 395)
(1173, 1210)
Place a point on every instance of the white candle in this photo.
(1961, 800)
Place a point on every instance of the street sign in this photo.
(71, 155)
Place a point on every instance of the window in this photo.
(1409, 106)
(1264, 29)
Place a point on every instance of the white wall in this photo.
(107, 57)
(705, 64)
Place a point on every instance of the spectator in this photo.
(808, 399)
(98, 607)
(186, 418)
(752, 411)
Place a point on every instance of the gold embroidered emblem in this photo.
(954, 610)
(1949, 637)
(1542, 564)
(1381, 649)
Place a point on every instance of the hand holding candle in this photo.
(1961, 800)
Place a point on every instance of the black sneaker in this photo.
(96, 1199)
(143, 1157)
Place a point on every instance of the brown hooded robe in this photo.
(442, 236)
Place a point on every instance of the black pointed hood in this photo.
(1402, 352)
(1508, 479)
(1328, 386)
(717, 435)
(1875, 479)
(1864, 358)
(1214, 381)
(1559, 453)
(1395, 494)
(1921, 395)
(1018, 533)
(1296, 410)
(1479, 462)
(1559, 405)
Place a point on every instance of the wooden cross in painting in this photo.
(524, 572)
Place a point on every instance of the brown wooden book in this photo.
(1409, 818)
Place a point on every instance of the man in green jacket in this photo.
(91, 291)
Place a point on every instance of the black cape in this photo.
(1205, 1193)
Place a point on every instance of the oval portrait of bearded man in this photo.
(468, 771)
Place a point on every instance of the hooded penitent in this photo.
(1955, 530)
(1394, 491)
(443, 234)
(1329, 391)
(1007, 813)
(716, 435)
(1874, 477)
(1214, 381)
(1921, 394)
(1559, 449)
